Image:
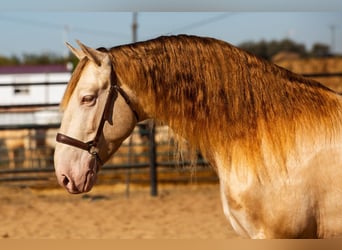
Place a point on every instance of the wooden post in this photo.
(135, 27)
(153, 163)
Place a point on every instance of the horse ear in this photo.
(77, 52)
(93, 54)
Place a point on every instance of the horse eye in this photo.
(88, 99)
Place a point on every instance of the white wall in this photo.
(32, 94)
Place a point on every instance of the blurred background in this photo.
(171, 199)
(45, 32)
(35, 67)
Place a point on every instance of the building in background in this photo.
(30, 94)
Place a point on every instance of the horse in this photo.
(273, 137)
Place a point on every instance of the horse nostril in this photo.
(65, 181)
(69, 185)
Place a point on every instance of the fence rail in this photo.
(26, 156)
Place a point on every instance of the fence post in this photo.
(153, 163)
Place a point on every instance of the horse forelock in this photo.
(73, 82)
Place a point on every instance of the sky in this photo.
(46, 31)
(174, 5)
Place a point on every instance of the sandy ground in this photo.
(191, 211)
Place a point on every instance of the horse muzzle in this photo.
(79, 183)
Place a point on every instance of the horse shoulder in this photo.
(304, 202)
(235, 183)
(325, 179)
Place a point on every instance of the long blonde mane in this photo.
(223, 99)
(218, 96)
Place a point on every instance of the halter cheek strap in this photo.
(92, 146)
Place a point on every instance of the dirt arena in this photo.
(182, 211)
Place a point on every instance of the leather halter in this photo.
(92, 146)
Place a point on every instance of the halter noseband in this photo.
(92, 145)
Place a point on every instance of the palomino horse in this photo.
(274, 138)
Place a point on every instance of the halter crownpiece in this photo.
(91, 146)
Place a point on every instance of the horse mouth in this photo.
(86, 186)
(90, 177)
(90, 180)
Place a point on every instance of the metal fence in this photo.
(147, 156)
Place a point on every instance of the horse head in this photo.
(98, 115)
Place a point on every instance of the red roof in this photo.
(33, 69)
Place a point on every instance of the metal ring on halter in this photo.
(96, 157)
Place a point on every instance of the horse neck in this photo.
(159, 97)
